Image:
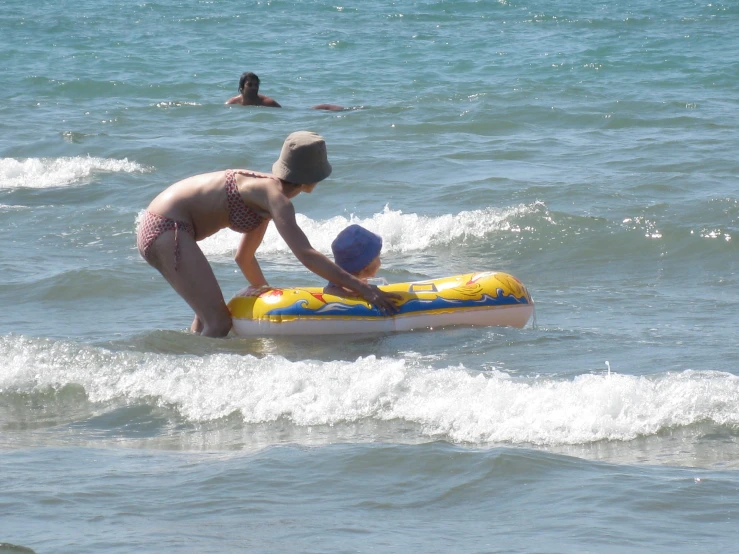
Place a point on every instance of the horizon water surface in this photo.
(588, 148)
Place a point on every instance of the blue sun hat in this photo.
(355, 247)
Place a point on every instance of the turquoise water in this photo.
(588, 148)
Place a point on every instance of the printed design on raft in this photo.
(422, 287)
(414, 304)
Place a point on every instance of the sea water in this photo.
(588, 148)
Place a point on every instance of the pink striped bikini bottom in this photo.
(151, 228)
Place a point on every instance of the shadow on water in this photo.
(7, 548)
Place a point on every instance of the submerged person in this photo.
(357, 251)
(249, 93)
(244, 201)
(329, 107)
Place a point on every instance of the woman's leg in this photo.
(194, 280)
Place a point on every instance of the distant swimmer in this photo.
(249, 93)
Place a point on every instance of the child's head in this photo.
(357, 251)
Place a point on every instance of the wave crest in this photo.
(43, 173)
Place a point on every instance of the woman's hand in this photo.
(256, 290)
(253, 290)
(383, 301)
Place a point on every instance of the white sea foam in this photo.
(58, 172)
(400, 232)
(453, 403)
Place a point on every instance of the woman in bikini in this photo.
(244, 201)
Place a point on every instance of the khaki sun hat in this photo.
(303, 159)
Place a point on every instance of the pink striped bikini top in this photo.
(242, 218)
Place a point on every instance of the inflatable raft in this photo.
(490, 298)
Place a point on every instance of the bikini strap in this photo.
(253, 174)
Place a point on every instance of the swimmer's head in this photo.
(248, 81)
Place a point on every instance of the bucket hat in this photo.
(303, 159)
(355, 247)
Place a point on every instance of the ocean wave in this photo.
(12, 208)
(520, 232)
(401, 232)
(457, 404)
(58, 172)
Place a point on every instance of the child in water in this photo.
(357, 251)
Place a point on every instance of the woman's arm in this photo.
(246, 255)
(283, 214)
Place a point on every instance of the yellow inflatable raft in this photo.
(490, 298)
